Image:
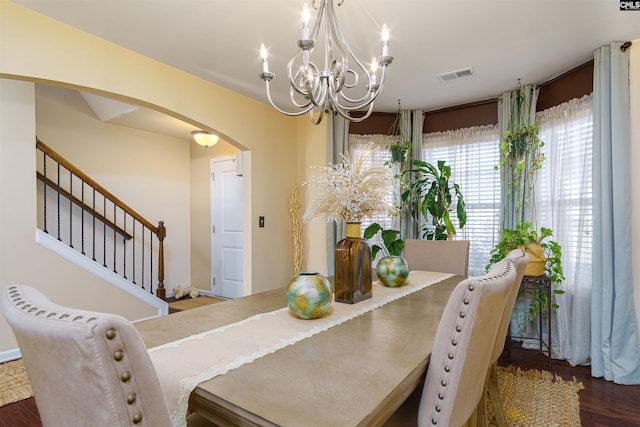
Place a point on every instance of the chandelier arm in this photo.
(341, 76)
(368, 113)
(311, 96)
(319, 115)
(298, 75)
(374, 95)
(294, 101)
(383, 74)
(319, 96)
(288, 113)
(346, 52)
(345, 114)
(338, 68)
(320, 15)
(335, 102)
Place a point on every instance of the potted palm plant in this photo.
(431, 194)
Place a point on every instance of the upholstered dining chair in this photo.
(446, 256)
(519, 258)
(461, 353)
(85, 368)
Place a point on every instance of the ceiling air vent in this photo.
(455, 75)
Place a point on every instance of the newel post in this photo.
(162, 232)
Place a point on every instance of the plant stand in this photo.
(532, 284)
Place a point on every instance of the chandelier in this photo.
(341, 83)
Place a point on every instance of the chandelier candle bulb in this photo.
(385, 40)
(306, 15)
(264, 54)
(374, 70)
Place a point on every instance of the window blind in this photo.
(472, 154)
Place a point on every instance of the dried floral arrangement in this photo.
(351, 191)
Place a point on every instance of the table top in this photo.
(354, 374)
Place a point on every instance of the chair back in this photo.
(519, 258)
(85, 368)
(446, 256)
(462, 348)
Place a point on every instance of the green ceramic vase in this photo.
(309, 295)
(392, 271)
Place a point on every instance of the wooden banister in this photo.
(162, 233)
(86, 178)
(85, 207)
(159, 230)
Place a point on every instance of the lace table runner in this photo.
(183, 364)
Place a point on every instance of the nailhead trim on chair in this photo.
(119, 356)
(111, 339)
(454, 340)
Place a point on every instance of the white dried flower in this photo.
(350, 191)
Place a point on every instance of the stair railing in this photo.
(81, 203)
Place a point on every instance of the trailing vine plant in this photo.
(521, 156)
(524, 236)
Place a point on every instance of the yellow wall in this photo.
(147, 171)
(38, 49)
(312, 152)
(22, 260)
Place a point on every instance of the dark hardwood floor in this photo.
(602, 403)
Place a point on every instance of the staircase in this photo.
(95, 228)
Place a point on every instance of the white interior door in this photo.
(226, 226)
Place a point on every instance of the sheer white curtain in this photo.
(564, 204)
(472, 154)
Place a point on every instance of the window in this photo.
(564, 187)
(472, 154)
(564, 201)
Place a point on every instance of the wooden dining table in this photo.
(356, 373)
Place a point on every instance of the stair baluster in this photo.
(138, 249)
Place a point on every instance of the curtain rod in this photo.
(573, 70)
(458, 107)
(625, 46)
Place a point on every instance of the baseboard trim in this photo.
(103, 273)
(9, 355)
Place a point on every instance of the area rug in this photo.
(537, 398)
(188, 303)
(14, 383)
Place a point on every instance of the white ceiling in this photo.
(503, 40)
